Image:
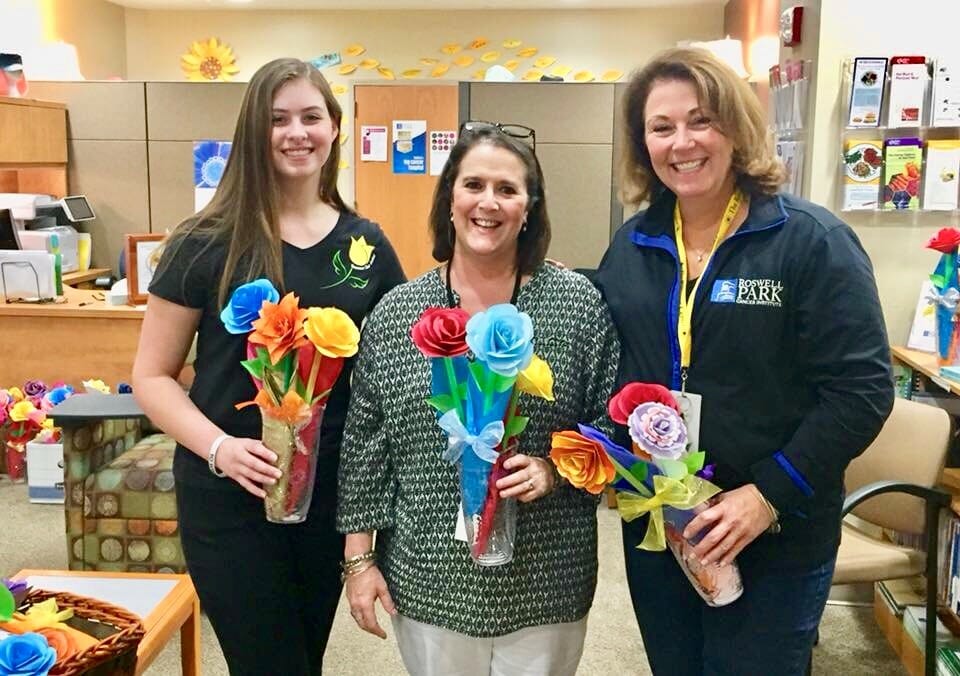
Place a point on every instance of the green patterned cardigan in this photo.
(393, 480)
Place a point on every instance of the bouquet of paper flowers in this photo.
(479, 365)
(946, 293)
(661, 476)
(23, 418)
(294, 356)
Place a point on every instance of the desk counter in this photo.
(75, 340)
(925, 363)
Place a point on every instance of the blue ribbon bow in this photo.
(458, 438)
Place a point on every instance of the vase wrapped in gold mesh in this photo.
(281, 438)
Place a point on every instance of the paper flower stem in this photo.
(640, 486)
(490, 378)
(454, 386)
(511, 414)
(312, 379)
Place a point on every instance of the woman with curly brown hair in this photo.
(763, 310)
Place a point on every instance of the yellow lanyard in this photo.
(685, 315)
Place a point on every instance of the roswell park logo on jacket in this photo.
(748, 292)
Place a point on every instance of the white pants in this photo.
(550, 650)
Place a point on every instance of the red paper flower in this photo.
(441, 332)
(947, 240)
(631, 395)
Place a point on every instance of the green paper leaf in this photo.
(442, 402)
(254, 367)
(503, 383)
(7, 604)
(478, 371)
(272, 383)
(639, 471)
(694, 461)
(939, 281)
(338, 265)
(674, 469)
(515, 426)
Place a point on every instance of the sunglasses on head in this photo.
(517, 131)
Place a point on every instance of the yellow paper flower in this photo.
(490, 57)
(429, 61)
(339, 89)
(411, 73)
(561, 71)
(440, 70)
(16, 394)
(583, 76)
(369, 64)
(511, 65)
(611, 76)
(479, 43)
(209, 60)
(386, 73)
(527, 52)
(463, 60)
(331, 331)
(510, 44)
(347, 68)
(360, 252)
(450, 48)
(20, 412)
(532, 75)
(96, 385)
(544, 62)
(482, 73)
(355, 50)
(537, 379)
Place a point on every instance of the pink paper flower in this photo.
(659, 430)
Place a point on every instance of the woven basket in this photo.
(115, 655)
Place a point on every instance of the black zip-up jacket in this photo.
(789, 352)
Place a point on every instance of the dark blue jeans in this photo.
(769, 630)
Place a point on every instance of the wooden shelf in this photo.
(81, 276)
(925, 363)
(33, 146)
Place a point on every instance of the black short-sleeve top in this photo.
(322, 275)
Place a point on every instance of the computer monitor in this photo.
(8, 231)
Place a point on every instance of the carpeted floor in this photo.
(32, 536)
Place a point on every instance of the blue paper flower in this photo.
(124, 388)
(58, 394)
(244, 306)
(26, 655)
(502, 338)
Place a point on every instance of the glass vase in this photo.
(717, 585)
(491, 529)
(16, 458)
(288, 500)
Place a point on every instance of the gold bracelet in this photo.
(354, 561)
(774, 526)
(356, 570)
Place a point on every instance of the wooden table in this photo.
(925, 363)
(81, 278)
(165, 603)
(78, 339)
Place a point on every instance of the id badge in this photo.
(690, 406)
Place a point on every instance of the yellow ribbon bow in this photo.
(681, 494)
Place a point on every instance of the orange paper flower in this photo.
(280, 327)
(292, 410)
(331, 331)
(581, 461)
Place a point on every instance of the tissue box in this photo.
(45, 473)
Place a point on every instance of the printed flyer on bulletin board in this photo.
(209, 160)
(409, 146)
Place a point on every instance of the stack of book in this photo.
(948, 662)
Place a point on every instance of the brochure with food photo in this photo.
(863, 162)
(902, 163)
(866, 95)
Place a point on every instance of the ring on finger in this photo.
(529, 484)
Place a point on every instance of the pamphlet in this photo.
(945, 106)
(866, 96)
(901, 181)
(940, 181)
(863, 162)
(908, 84)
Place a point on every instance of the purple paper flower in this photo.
(18, 588)
(659, 430)
(26, 655)
(34, 388)
(707, 472)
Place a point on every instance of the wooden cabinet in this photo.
(33, 146)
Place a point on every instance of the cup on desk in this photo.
(84, 245)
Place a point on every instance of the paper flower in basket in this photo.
(95, 386)
(17, 588)
(34, 388)
(502, 338)
(26, 655)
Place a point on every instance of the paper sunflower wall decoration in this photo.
(209, 59)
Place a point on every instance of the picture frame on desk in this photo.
(142, 251)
